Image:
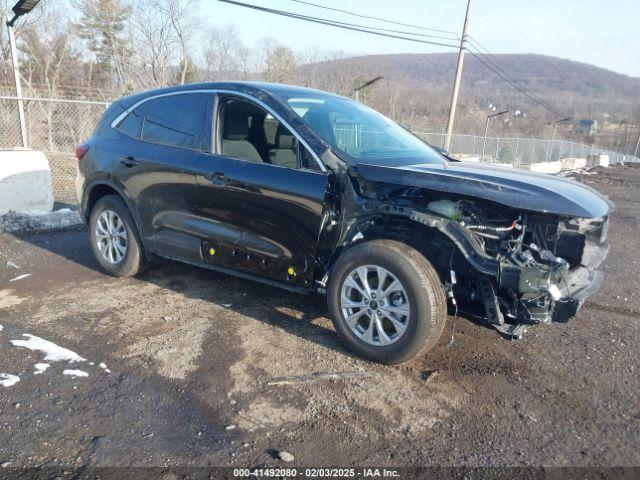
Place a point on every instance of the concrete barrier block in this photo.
(25, 182)
(543, 167)
(597, 161)
(573, 163)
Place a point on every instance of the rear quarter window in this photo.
(131, 124)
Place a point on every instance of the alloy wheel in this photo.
(111, 237)
(375, 305)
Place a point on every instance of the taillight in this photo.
(81, 150)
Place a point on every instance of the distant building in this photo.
(587, 127)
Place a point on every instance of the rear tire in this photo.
(409, 311)
(114, 238)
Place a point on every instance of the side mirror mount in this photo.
(444, 153)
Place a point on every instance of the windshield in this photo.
(361, 133)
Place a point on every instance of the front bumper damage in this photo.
(515, 296)
(556, 294)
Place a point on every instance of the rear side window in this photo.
(175, 120)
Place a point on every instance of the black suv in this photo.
(317, 193)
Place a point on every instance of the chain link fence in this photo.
(56, 126)
(519, 150)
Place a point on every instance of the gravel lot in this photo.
(197, 361)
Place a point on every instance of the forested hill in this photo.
(547, 77)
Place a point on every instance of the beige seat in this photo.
(235, 135)
(284, 155)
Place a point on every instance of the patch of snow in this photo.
(103, 366)
(1, 327)
(41, 368)
(10, 264)
(52, 352)
(8, 380)
(20, 277)
(39, 221)
(75, 373)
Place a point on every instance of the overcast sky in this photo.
(603, 33)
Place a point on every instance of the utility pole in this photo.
(456, 83)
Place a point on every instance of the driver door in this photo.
(262, 195)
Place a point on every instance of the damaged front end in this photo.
(522, 269)
(511, 266)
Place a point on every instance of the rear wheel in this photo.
(386, 301)
(114, 239)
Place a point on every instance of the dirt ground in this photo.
(197, 358)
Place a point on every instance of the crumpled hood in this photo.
(519, 189)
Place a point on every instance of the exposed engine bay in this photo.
(513, 267)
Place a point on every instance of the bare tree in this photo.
(279, 63)
(50, 61)
(185, 23)
(155, 45)
(327, 70)
(224, 54)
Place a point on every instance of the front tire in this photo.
(114, 238)
(386, 301)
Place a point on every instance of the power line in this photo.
(487, 58)
(477, 46)
(487, 54)
(334, 23)
(482, 58)
(542, 103)
(454, 34)
(512, 83)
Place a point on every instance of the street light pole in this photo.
(486, 129)
(365, 85)
(456, 82)
(16, 76)
(22, 7)
(553, 137)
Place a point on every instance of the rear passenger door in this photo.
(163, 141)
(262, 193)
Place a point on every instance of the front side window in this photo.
(248, 132)
(175, 120)
(363, 134)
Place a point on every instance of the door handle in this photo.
(128, 162)
(217, 178)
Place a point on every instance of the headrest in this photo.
(284, 139)
(236, 125)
